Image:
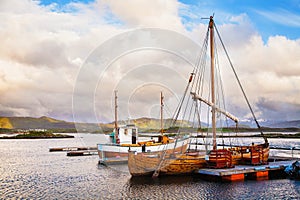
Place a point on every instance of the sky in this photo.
(64, 59)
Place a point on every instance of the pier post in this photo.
(233, 177)
(259, 175)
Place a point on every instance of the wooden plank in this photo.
(81, 153)
(55, 149)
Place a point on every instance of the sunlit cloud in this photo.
(43, 47)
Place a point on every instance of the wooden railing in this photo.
(220, 158)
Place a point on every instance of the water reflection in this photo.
(165, 180)
(189, 187)
(178, 187)
(29, 171)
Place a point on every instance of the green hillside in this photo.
(144, 124)
(151, 123)
(54, 124)
(34, 123)
(5, 123)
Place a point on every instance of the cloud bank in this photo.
(44, 47)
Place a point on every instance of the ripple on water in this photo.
(39, 174)
(160, 188)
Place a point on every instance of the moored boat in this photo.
(214, 155)
(126, 138)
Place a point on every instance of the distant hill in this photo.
(286, 124)
(144, 124)
(5, 123)
(54, 124)
(151, 123)
(269, 123)
(34, 123)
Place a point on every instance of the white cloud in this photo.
(43, 47)
(281, 16)
(270, 71)
(144, 13)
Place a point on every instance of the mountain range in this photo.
(143, 124)
(25, 123)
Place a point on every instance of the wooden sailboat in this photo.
(171, 163)
(126, 138)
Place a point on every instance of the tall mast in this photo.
(161, 113)
(212, 65)
(116, 119)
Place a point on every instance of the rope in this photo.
(238, 80)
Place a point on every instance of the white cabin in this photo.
(128, 134)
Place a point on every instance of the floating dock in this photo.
(82, 153)
(242, 172)
(76, 151)
(71, 149)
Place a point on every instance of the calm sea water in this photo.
(29, 171)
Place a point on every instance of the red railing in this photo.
(220, 158)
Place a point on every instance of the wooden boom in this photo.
(227, 114)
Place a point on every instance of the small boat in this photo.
(126, 137)
(213, 155)
(293, 170)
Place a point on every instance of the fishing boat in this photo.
(211, 106)
(126, 137)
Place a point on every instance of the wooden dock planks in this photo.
(76, 151)
(71, 149)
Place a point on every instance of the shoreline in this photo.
(37, 135)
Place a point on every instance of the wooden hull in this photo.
(142, 164)
(149, 163)
(115, 152)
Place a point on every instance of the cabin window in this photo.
(134, 132)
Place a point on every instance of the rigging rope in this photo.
(238, 80)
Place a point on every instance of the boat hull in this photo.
(166, 163)
(108, 152)
(143, 164)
